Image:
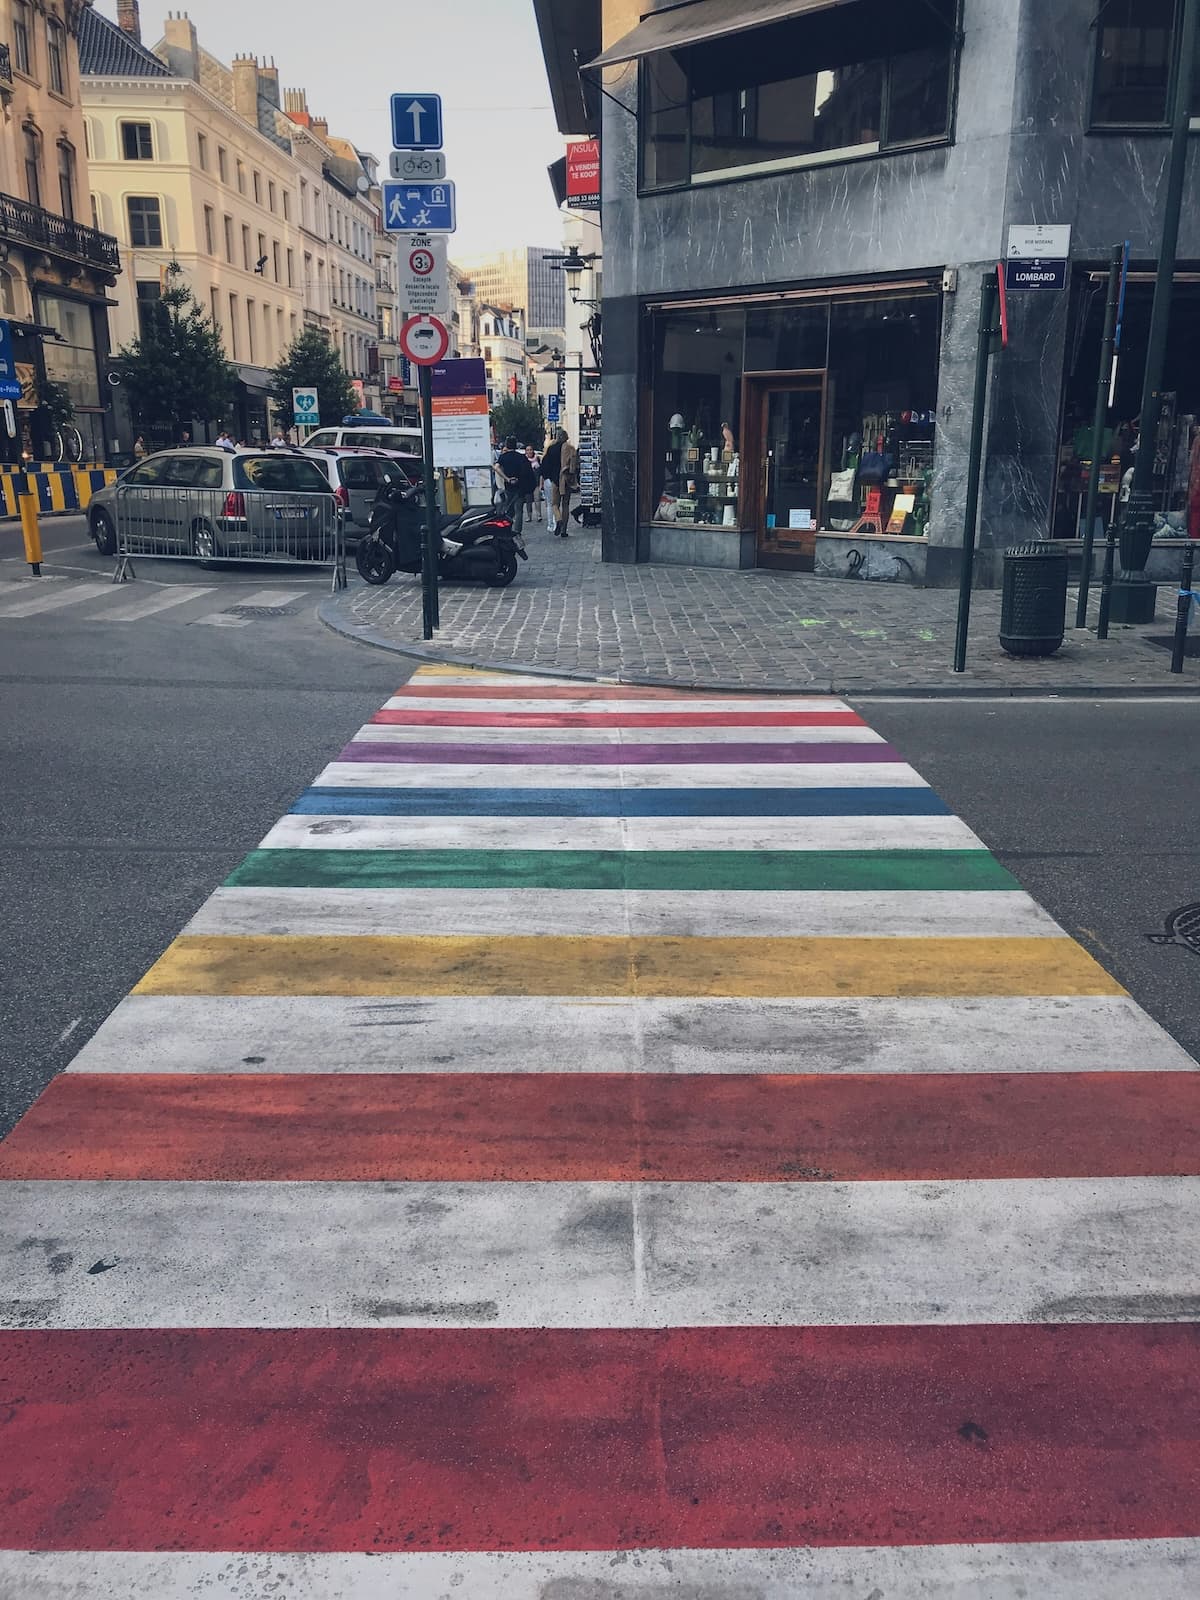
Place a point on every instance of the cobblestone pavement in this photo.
(569, 612)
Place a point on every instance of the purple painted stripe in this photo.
(608, 755)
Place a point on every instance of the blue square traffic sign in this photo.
(417, 121)
(418, 207)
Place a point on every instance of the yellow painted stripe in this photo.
(83, 487)
(755, 968)
(9, 487)
(58, 499)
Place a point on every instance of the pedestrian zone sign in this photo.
(305, 409)
(423, 207)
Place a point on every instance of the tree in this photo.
(521, 419)
(176, 372)
(311, 362)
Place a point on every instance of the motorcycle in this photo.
(477, 545)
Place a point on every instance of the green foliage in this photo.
(310, 361)
(176, 372)
(59, 407)
(520, 418)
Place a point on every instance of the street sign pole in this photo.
(429, 562)
(1115, 272)
(988, 331)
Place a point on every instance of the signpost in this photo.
(10, 384)
(423, 207)
(424, 279)
(552, 404)
(306, 410)
(425, 340)
(462, 434)
(417, 121)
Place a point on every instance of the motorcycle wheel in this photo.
(374, 560)
(504, 574)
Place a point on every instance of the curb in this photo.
(361, 633)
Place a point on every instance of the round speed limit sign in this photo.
(421, 262)
(424, 280)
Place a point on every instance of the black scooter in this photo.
(479, 545)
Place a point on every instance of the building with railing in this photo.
(55, 269)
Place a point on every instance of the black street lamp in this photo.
(574, 265)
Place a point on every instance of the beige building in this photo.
(56, 271)
(502, 342)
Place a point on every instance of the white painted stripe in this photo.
(305, 832)
(515, 1033)
(562, 1255)
(222, 619)
(271, 597)
(987, 914)
(54, 598)
(160, 600)
(1109, 1569)
(388, 733)
(730, 705)
(713, 775)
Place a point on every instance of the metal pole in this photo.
(1138, 520)
(1183, 607)
(989, 295)
(27, 506)
(429, 559)
(1106, 577)
(1103, 381)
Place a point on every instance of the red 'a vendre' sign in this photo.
(583, 175)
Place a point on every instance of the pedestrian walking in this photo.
(568, 483)
(533, 500)
(551, 462)
(139, 449)
(518, 479)
(223, 441)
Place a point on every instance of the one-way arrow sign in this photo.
(417, 121)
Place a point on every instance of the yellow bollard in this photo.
(30, 532)
(454, 494)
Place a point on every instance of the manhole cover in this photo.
(261, 611)
(1183, 927)
(1164, 641)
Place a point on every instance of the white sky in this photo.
(482, 56)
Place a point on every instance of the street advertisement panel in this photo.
(462, 434)
(583, 175)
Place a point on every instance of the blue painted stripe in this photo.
(899, 802)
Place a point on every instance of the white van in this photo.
(371, 436)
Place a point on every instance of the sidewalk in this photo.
(569, 613)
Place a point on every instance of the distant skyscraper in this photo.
(521, 280)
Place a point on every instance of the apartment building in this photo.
(523, 280)
(56, 271)
(502, 345)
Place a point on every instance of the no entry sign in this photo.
(424, 340)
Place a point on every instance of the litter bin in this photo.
(1033, 599)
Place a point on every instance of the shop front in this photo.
(793, 430)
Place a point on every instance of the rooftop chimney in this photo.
(180, 48)
(245, 88)
(128, 19)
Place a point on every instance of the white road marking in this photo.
(733, 706)
(65, 593)
(221, 619)
(69, 1030)
(906, 914)
(560, 1255)
(162, 600)
(630, 734)
(271, 597)
(697, 775)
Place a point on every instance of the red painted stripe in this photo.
(620, 719)
(444, 1439)
(459, 1127)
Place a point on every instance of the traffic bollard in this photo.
(30, 532)
(1182, 607)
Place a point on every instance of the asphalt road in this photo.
(138, 763)
(1090, 805)
(141, 762)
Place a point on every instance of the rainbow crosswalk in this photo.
(608, 1144)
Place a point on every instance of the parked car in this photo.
(356, 477)
(368, 436)
(226, 502)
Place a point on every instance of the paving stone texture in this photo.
(569, 612)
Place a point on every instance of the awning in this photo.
(697, 21)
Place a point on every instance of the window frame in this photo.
(31, 161)
(129, 125)
(150, 200)
(67, 179)
(1095, 126)
(223, 164)
(782, 165)
(24, 52)
(57, 59)
(202, 150)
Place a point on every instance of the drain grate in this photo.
(1164, 641)
(261, 611)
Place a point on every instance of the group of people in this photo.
(223, 441)
(526, 480)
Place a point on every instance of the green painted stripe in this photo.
(616, 869)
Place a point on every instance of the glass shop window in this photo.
(697, 416)
(847, 82)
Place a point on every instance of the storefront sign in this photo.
(1035, 274)
(1029, 242)
(395, 385)
(306, 410)
(583, 175)
(459, 406)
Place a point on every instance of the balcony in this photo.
(33, 225)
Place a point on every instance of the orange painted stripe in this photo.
(620, 719)
(460, 1127)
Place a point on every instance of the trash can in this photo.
(1033, 599)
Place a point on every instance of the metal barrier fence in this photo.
(249, 525)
